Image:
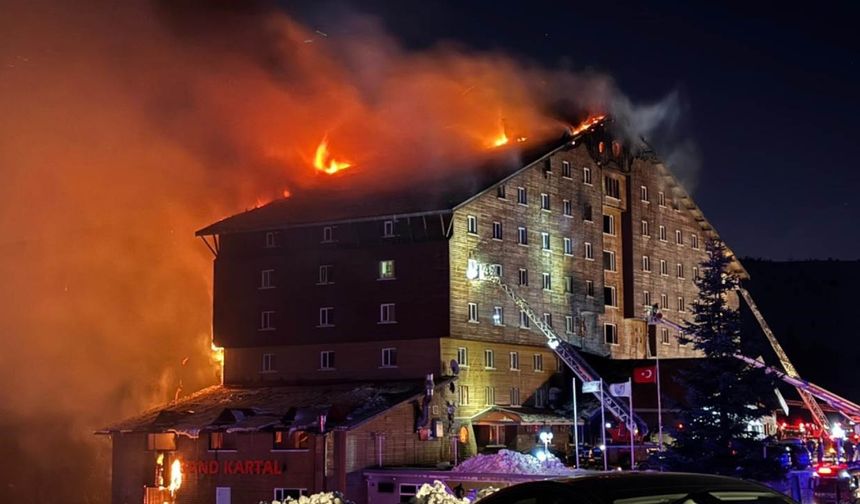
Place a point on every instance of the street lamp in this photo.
(546, 438)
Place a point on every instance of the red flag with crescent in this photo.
(646, 374)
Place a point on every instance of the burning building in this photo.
(357, 333)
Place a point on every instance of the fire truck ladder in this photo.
(569, 355)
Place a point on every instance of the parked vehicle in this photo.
(836, 484)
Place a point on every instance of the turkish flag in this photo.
(646, 374)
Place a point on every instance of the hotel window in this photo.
(643, 194)
(463, 395)
(327, 359)
(663, 233)
(522, 236)
(326, 274)
(646, 263)
(267, 279)
(222, 441)
(609, 296)
(498, 316)
(489, 359)
(546, 281)
(522, 196)
(608, 260)
(471, 224)
(664, 302)
(565, 169)
(664, 335)
(610, 334)
(162, 441)
(586, 214)
(661, 199)
(540, 398)
(495, 269)
(386, 269)
(544, 239)
(267, 320)
(523, 277)
(473, 312)
(547, 319)
(679, 269)
(271, 239)
(589, 251)
(500, 192)
(497, 230)
(463, 357)
(328, 234)
(326, 317)
(646, 298)
(268, 363)
(515, 361)
(609, 225)
(679, 237)
(281, 494)
(544, 201)
(589, 288)
(586, 175)
(696, 272)
(515, 396)
(568, 246)
(388, 229)
(568, 324)
(538, 362)
(664, 267)
(525, 323)
(490, 393)
(682, 306)
(568, 284)
(567, 208)
(389, 357)
(645, 229)
(612, 187)
(387, 314)
(694, 241)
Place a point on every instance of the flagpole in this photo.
(632, 424)
(659, 410)
(575, 423)
(603, 427)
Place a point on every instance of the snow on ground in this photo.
(511, 462)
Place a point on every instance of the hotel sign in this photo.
(213, 467)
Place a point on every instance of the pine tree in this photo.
(724, 394)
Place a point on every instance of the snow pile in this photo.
(437, 493)
(511, 462)
(319, 498)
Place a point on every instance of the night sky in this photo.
(769, 95)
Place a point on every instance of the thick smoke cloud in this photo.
(125, 126)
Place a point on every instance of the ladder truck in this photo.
(564, 350)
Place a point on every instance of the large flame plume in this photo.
(324, 162)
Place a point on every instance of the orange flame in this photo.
(175, 476)
(325, 163)
(586, 124)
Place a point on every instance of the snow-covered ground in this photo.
(511, 462)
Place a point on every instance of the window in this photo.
(568, 284)
(567, 208)
(694, 241)
(544, 201)
(326, 275)
(568, 324)
(646, 298)
(546, 282)
(565, 169)
(663, 233)
(271, 239)
(612, 187)
(281, 494)
(586, 214)
(498, 316)
(540, 398)
(495, 270)
(463, 357)
(661, 199)
(682, 306)
(463, 395)
(610, 334)
(267, 279)
(522, 236)
(586, 175)
(386, 269)
(679, 237)
(525, 323)
(696, 272)
(515, 396)
(161, 441)
(326, 316)
(664, 267)
(568, 246)
(471, 224)
(497, 230)
(643, 194)
(608, 260)
(538, 362)
(664, 335)
(547, 319)
(589, 288)
(473, 312)
(489, 359)
(328, 234)
(515, 361)
(646, 263)
(589, 251)
(268, 363)
(388, 229)
(327, 359)
(267, 320)
(389, 357)
(679, 269)
(664, 301)
(645, 229)
(387, 314)
(522, 196)
(523, 277)
(609, 296)
(609, 224)
(500, 192)
(490, 393)
(222, 441)
(544, 240)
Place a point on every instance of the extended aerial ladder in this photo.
(567, 353)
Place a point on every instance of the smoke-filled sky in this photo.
(126, 126)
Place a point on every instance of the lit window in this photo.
(586, 175)
(497, 230)
(646, 298)
(547, 281)
(589, 288)
(328, 234)
(271, 239)
(500, 192)
(472, 224)
(522, 236)
(463, 395)
(326, 274)
(388, 229)
(679, 237)
(267, 320)
(643, 194)
(515, 361)
(664, 267)
(544, 239)
(589, 251)
(463, 357)
(568, 246)
(609, 296)
(268, 363)
(387, 314)
(609, 224)
(489, 359)
(389, 357)
(290, 440)
(610, 334)
(567, 208)
(645, 228)
(679, 269)
(586, 213)
(646, 263)
(386, 269)
(522, 196)
(515, 396)
(525, 323)
(326, 316)
(473, 312)
(568, 324)
(523, 277)
(544, 201)
(538, 362)
(267, 279)
(547, 319)
(498, 316)
(327, 359)
(490, 392)
(565, 169)
(608, 260)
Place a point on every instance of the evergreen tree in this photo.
(724, 394)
